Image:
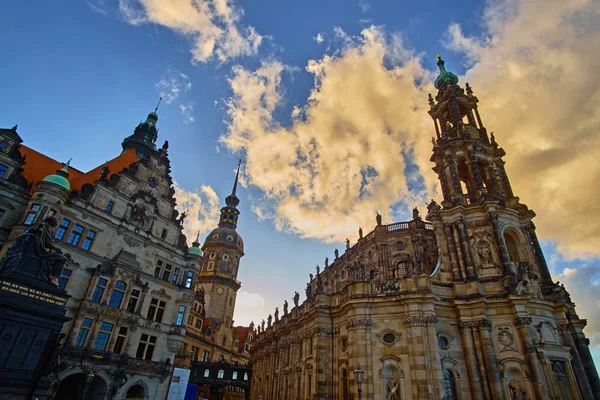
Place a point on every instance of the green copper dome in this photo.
(195, 249)
(445, 77)
(60, 178)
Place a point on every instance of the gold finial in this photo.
(439, 56)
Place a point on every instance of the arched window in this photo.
(234, 376)
(221, 374)
(449, 385)
(117, 294)
(344, 384)
(207, 373)
(511, 244)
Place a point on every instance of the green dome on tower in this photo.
(60, 178)
(445, 77)
(195, 249)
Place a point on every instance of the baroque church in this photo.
(141, 301)
(459, 304)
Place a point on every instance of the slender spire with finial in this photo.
(237, 174)
(156, 109)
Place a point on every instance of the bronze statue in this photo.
(51, 256)
(416, 215)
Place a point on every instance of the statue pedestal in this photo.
(32, 314)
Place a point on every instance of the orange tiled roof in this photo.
(115, 166)
(38, 166)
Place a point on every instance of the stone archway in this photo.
(136, 392)
(81, 386)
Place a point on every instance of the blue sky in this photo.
(78, 76)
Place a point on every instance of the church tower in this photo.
(477, 193)
(489, 251)
(223, 249)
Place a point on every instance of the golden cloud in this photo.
(341, 158)
(213, 25)
(202, 207)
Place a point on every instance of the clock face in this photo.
(220, 290)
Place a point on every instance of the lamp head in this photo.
(359, 375)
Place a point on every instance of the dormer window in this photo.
(3, 169)
(109, 206)
(229, 238)
(3, 144)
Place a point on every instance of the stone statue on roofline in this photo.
(285, 307)
(276, 314)
(296, 299)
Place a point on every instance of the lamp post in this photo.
(358, 377)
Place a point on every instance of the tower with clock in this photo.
(223, 249)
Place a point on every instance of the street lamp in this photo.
(358, 377)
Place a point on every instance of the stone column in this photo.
(434, 355)
(539, 255)
(422, 387)
(505, 181)
(493, 218)
(491, 361)
(475, 379)
(540, 387)
(461, 260)
(452, 251)
(582, 344)
(457, 194)
(579, 371)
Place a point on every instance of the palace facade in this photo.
(459, 305)
(141, 299)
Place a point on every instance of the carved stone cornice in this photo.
(421, 321)
(582, 342)
(365, 323)
(522, 322)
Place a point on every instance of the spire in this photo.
(144, 136)
(445, 77)
(230, 213)
(195, 249)
(232, 200)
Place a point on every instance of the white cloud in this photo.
(186, 111)
(584, 286)
(202, 208)
(171, 84)
(364, 5)
(249, 307)
(341, 159)
(319, 38)
(97, 6)
(212, 25)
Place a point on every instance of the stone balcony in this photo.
(78, 355)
